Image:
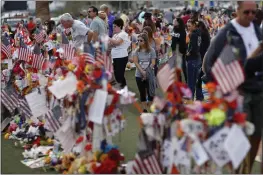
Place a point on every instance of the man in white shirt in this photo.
(245, 36)
(80, 33)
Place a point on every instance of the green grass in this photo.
(127, 141)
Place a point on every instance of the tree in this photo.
(42, 10)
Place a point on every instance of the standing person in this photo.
(97, 25)
(119, 52)
(82, 17)
(31, 26)
(193, 57)
(154, 44)
(80, 33)
(144, 59)
(149, 22)
(179, 41)
(246, 37)
(201, 93)
(111, 18)
(187, 16)
(169, 16)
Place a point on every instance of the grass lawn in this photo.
(127, 141)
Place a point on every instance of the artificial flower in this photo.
(215, 117)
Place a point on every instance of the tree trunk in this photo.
(42, 10)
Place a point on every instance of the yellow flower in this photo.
(71, 66)
(215, 117)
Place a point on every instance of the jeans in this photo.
(119, 65)
(143, 86)
(193, 67)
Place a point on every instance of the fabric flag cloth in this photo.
(37, 60)
(89, 58)
(146, 163)
(69, 51)
(9, 100)
(52, 117)
(6, 47)
(24, 53)
(106, 61)
(227, 70)
(24, 108)
(39, 36)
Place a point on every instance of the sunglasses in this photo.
(247, 12)
(140, 40)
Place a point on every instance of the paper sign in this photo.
(61, 88)
(37, 102)
(165, 77)
(181, 157)
(215, 147)
(167, 151)
(236, 145)
(191, 126)
(96, 110)
(199, 154)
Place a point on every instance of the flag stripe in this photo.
(53, 121)
(69, 51)
(228, 77)
(24, 54)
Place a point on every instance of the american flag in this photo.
(39, 36)
(9, 100)
(52, 117)
(227, 70)
(6, 47)
(24, 107)
(106, 61)
(24, 53)
(165, 77)
(89, 58)
(69, 51)
(37, 60)
(146, 164)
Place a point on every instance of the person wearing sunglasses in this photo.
(245, 36)
(144, 60)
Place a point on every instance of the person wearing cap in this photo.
(80, 33)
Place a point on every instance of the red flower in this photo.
(80, 139)
(88, 147)
(109, 110)
(114, 155)
(240, 118)
(37, 141)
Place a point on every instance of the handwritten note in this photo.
(37, 102)
(96, 110)
(61, 88)
(199, 154)
(215, 147)
(167, 153)
(236, 145)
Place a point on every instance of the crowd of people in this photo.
(195, 38)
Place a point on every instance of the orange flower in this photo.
(211, 87)
(80, 86)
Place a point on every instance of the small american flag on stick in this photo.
(52, 117)
(6, 47)
(9, 100)
(24, 53)
(146, 163)
(69, 51)
(227, 70)
(106, 61)
(89, 58)
(24, 107)
(37, 60)
(39, 36)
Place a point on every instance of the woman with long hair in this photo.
(179, 41)
(154, 43)
(144, 59)
(193, 57)
(201, 93)
(119, 44)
